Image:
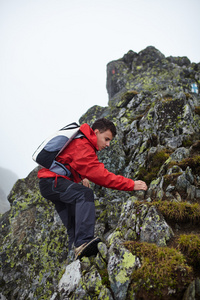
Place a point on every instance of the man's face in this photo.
(103, 138)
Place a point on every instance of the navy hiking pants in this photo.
(75, 206)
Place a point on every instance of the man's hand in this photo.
(86, 182)
(140, 185)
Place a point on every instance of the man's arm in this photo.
(139, 185)
(86, 163)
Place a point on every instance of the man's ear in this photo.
(96, 131)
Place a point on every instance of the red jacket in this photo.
(83, 162)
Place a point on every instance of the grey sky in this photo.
(53, 58)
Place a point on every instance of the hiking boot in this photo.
(87, 249)
(79, 249)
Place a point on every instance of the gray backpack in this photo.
(46, 153)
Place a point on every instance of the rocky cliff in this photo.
(150, 240)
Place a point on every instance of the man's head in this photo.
(105, 131)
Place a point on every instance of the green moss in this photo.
(192, 162)
(187, 143)
(126, 97)
(189, 244)
(105, 277)
(197, 110)
(170, 179)
(188, 95)
(149, 173)
(179, 211)
(167, 99)
(161, 268)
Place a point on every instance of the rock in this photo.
(179, 154)
(85, 264)
(182, 183)
(121, 264)
(154, 228)
(91, 281)
(188, 175)
(197, 193)
(103, 251)
(193, 291)
(114, 237)
(143, 222)
(105, 294)
(71, 278)
(191, 192)
(181, 61)
(40, 246)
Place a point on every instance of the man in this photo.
(75, 202)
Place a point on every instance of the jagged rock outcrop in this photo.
(150, 241)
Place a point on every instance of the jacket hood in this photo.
(90, 135)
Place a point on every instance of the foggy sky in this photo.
(53, 59)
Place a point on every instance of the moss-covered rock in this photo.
(35, 245)
(121, 265)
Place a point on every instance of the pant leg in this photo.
(67, 215)
(81, 197)
(65, 211)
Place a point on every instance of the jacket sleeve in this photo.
(86, 163)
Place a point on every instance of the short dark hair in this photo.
(104, 124)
